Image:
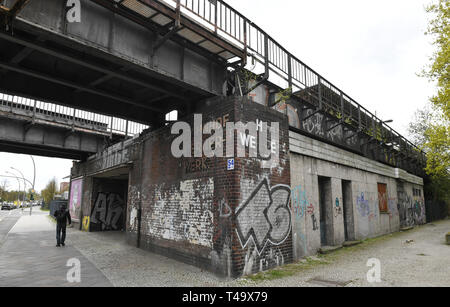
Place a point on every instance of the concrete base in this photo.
(351, 243)
(406, 228)
(329, 249)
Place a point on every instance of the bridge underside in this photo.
(20, 135)
(106, 63)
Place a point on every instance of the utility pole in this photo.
(18, 194)
(34, 181)
(24, 185)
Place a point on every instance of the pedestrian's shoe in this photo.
(63, 244)
(57, 245)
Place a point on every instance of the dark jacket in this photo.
(62, 216)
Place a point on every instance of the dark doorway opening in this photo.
(347, 197)
(326, 214)
(109, 207)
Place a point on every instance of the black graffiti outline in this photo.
(111, 213)
(251, 235)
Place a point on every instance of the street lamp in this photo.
(24, 184)
(34, 179)
(18, 181)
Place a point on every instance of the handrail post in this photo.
(215, 17)
(111, 127)
(289, 71)
(319, 85)
(73, 118)
(34, 111)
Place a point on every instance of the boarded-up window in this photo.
(382, 197)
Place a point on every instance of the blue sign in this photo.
(230, 164)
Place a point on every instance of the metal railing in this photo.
(286, 71)
(70, 117)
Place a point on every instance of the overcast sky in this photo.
(372, 50)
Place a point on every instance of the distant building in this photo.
(64, 186)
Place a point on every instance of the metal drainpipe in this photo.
(139, 215)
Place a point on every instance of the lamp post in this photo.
(34, 180)
(23, 177)
(24, 184)
(18, 181)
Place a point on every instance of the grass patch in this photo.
(319, 260)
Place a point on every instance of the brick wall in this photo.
(232, 222)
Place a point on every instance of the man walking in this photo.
(62, 216)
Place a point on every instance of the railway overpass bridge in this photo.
(46, 129)
(140, 59)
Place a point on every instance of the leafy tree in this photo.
(50, 190)
(435, 124)
(431, 128)
(439, 68)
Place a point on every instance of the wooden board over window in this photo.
(382, 197)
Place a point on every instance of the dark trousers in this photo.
(60, 233)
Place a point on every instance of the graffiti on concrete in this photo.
(108, 210)
(264, 217)
(299, 201)
(363, 205)
(314, 222)
(316, 124)
(411, 210)
(313, 124)
(392, 207)
(337, 208)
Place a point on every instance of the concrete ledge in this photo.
(406, 228)
(351, 243)
(329, 249)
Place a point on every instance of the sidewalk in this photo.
(28, 257)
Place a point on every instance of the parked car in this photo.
(7, 206)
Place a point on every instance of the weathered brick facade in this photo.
(189, 205)
(242, 220)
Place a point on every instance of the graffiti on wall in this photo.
(392, 207)
(363, 205)
(183, 212)
(221, 255)
(301, 206)
(299, 202)
(108, 210)
(315, 124)
(264, 218)
(337, 208)
(411, 210)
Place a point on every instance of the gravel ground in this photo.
(424, 261)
